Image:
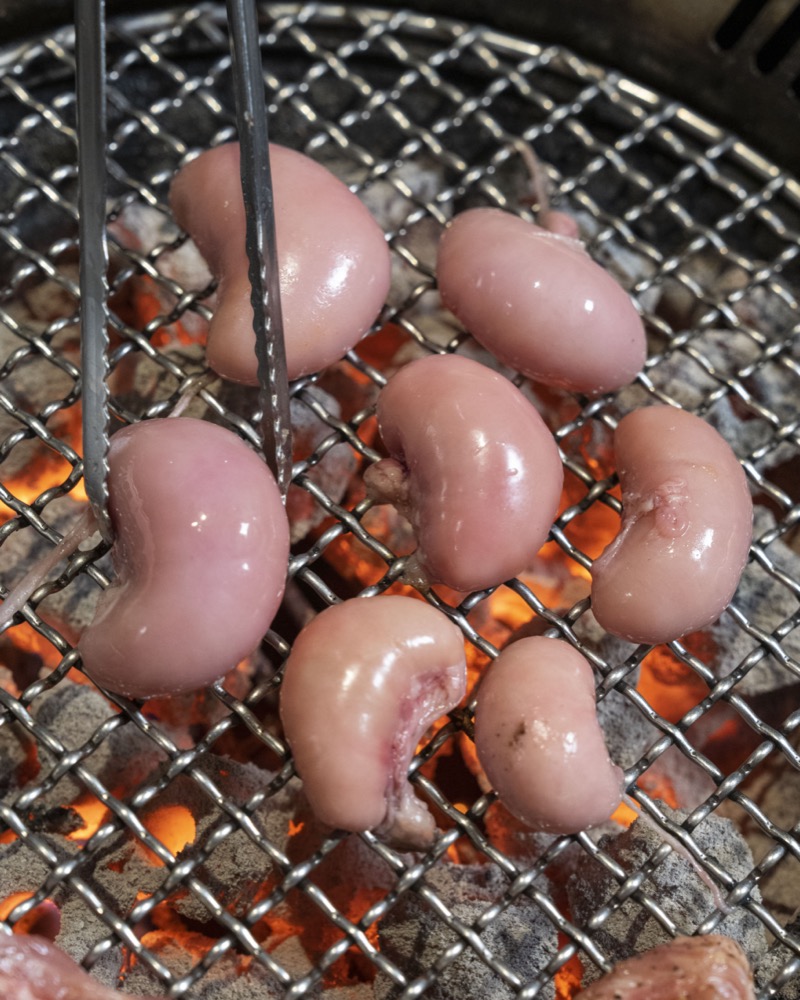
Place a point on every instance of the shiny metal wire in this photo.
(658, 189)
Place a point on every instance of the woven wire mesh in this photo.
(421, 118)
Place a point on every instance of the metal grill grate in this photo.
(422, 118)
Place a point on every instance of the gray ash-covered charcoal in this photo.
(675, 885)
(766, 603)
(330, 472)
(414, 936)
(627, 732)
(234, 868)
(776, 961)
(72, 714)
(71, 607)
(228, 978)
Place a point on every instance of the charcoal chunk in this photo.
(414, 936)
(675, 885)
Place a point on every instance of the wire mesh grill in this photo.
(421, 118)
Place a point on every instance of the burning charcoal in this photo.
(36, 380)
(138, 380)
(183, 818)
(70, 608)
(675, 885)
(30, 385)
(414, 936)
(685, 378)
(50, 300)
(392, 198)
(766, 311)
(82, 928)
(513, 838)
(688, 783)
(229, 978)
(612, 650)
(774, 787)
(628, 266)
(22, 871)
(77, 926)
(776, 959)
(332, 473)
(627, 732)
(766, 603)
(18, 754)
(72, 713)
(352, 876)
(362, 991)
(144, 229)
(707, 270)
(32, 968)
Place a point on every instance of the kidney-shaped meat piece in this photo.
(539, 302)
(364, 681)
(201, 551)
(538, 739)
(473, 467)
(333, 259)
(31, 968)
(686, 528)
(703, 968)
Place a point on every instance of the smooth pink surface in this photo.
(31, 968)
(201, 555)
(473, 467)
(539, 741)
(538, 302)
(700, 968)
(364, 681)
(334, 261)
(686, 528)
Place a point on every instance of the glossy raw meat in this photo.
(364, 681)
(200, 555)
(539, 741)
(697, 968)
(473, 467)
(31, 968)
(333, 258)
(539, 302)
(686, 528)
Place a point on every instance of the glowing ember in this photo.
(671, 687)
(569, 977)
(49, 468)
(174, 826)
(144, 309)
(93, 813)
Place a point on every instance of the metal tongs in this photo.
(260, 242)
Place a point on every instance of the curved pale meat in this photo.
(333, 259)
(703, 968)
(686, 528)
(538, 739)
(473, 467)
(364, 681)
(31, 968)
(201, 551)
(538, 302)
